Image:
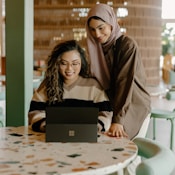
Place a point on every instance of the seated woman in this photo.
(66, 83)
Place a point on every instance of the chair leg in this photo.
(172, 134)
(1, 124)
(154, 129)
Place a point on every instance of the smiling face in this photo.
(70, 66)
(100, 30)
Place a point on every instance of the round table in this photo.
(25, 152)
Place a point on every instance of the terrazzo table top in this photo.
(25, 152)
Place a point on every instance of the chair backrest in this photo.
(156, 159)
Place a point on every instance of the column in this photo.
(19, 60)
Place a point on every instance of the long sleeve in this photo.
(131, 102)
(105, 109)
(36, 114)
(124, 79)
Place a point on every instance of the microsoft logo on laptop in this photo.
(71, 133)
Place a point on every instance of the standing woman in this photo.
(115, 62)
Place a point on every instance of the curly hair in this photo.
(53, 79)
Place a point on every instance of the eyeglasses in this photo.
(64, 64)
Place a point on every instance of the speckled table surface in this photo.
(24, 152)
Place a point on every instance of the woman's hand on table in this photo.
(117, 130)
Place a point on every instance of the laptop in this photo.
(71, 124)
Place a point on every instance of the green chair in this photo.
(156, 159)
(164, 114)
(1, 123)
(170, 95)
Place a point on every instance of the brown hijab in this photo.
(96, 50)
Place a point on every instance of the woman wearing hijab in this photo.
(115, 62)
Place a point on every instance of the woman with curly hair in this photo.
(67, 83)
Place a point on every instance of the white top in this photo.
(25, 152)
